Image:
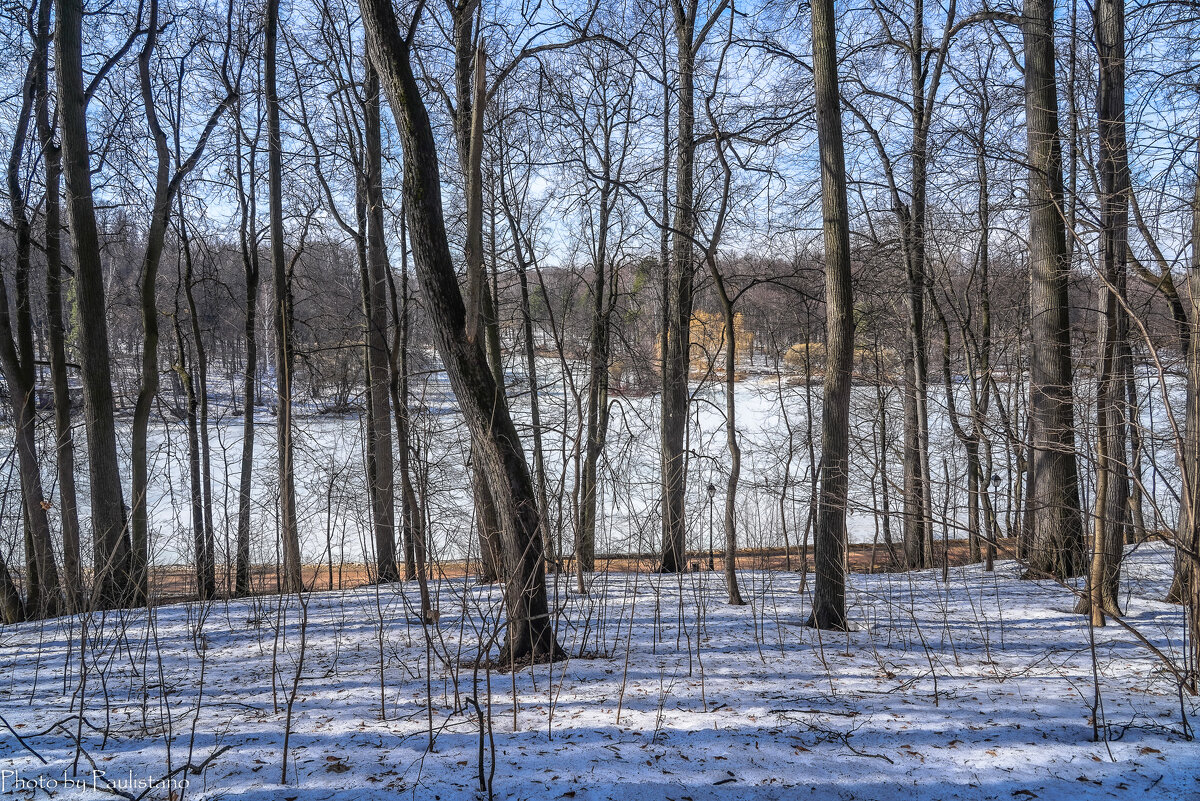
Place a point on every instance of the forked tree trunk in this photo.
(166, 189)
(829, 595)
(731, 437)
(530, 631)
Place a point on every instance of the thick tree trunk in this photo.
(1052, 518)
(11, 609)
(111, 553)
(829, 596)
(677, 354)
(530, 631)
(282, 314)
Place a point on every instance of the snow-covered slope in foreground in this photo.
(980, 689)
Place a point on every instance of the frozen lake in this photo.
(772, 420)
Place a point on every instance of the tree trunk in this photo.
(413, 519)
(535, 406)
(11, 610)
(248, 239)
(196, 383)
(282, 315)
(1053, 521)
(530, 631)
(731, 439)
(17, 363)
(1191, 534)
(1190, 497)
(598, 358)
(470, 71)
(111, 554)
(676, 356)
(829, 596)
(375, 301)
(64, 442)
(205, 585)
(1111, 520)
(147, 284)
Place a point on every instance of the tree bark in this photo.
(1052, 518)
(829, 595)
(470, 72)
(43, 597)
(282, 314)
(1180, 591)
(375, 301)
(413, 519)
(523, 260)
(1191, 534)
(731, 437)
(248, 240)
(677, 353)
(64, 441)
(112, 582)
(1111, 519)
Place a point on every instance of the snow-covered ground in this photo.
(980, 689)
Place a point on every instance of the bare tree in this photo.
(382, 474)
(166, 189)
(282, 314)
(64, 441)
(43, 596)
(530, 632)
(1111, 518)
(1053, 525)
(112, 554)
(829, 594)
(676, 355)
